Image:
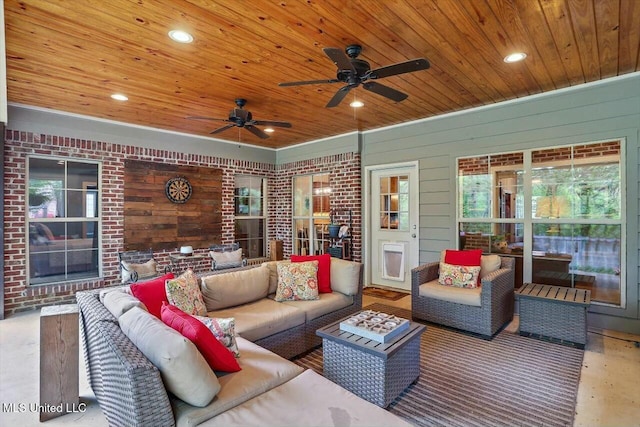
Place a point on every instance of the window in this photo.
(567, 199)
(63, 220)
(250, 215)
(394, 203)
(311, 211)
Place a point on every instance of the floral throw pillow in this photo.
(184, 293)
(460, 276)
(297, 281)
(224, 329)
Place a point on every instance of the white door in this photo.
(393, 221)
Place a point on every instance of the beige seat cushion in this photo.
(184, 371)
(327, 303)
(262, 318)
(234, 288)
(262, 370)
(307, 400)
(467, 296)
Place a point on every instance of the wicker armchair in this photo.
(230, 247)
(496, 301)
(137, 257)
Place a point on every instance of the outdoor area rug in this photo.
(468, 381)
(372, 291)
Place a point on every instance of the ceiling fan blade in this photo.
(339, 58)
(257, 132)
(308, 82)
(400, 68)
(339, 96)
(385, 91)
(206, 118)
(221, 129)
(271, 123)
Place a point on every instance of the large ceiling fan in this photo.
(354, 71)
(243, 119)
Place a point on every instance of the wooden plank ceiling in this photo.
(72, 55)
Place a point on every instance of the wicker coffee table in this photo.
(377, 372)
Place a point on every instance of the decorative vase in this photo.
(334, 229)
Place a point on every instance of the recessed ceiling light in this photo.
(119, 97)
(515, 57)
(180, 36)
(268, 130)
(357, 104)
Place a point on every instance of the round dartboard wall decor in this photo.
(178, 189)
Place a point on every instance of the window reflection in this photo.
(568, 185)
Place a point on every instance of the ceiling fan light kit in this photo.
(355, 72)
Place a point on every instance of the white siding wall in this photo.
(604, 110)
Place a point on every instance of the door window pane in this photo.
(394, 203)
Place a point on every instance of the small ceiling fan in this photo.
(354, 71)
(243, 119)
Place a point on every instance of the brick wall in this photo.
(480, 165)
(344, 172)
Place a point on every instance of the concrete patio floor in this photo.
(608, 394)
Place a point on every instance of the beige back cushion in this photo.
(234, 288)
(273, 274)
(489, 264)
(345, 276)
(119, 302)
(184, 371)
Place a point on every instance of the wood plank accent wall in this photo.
(151, 220)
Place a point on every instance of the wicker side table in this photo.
(554, 312)
(377, 372)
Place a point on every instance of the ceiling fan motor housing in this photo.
(239, 116)
(349, 77)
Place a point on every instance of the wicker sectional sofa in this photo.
(269, 390)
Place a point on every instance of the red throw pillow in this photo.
(324, 269)
(466, 258)
(215, 353)
(152, 293)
